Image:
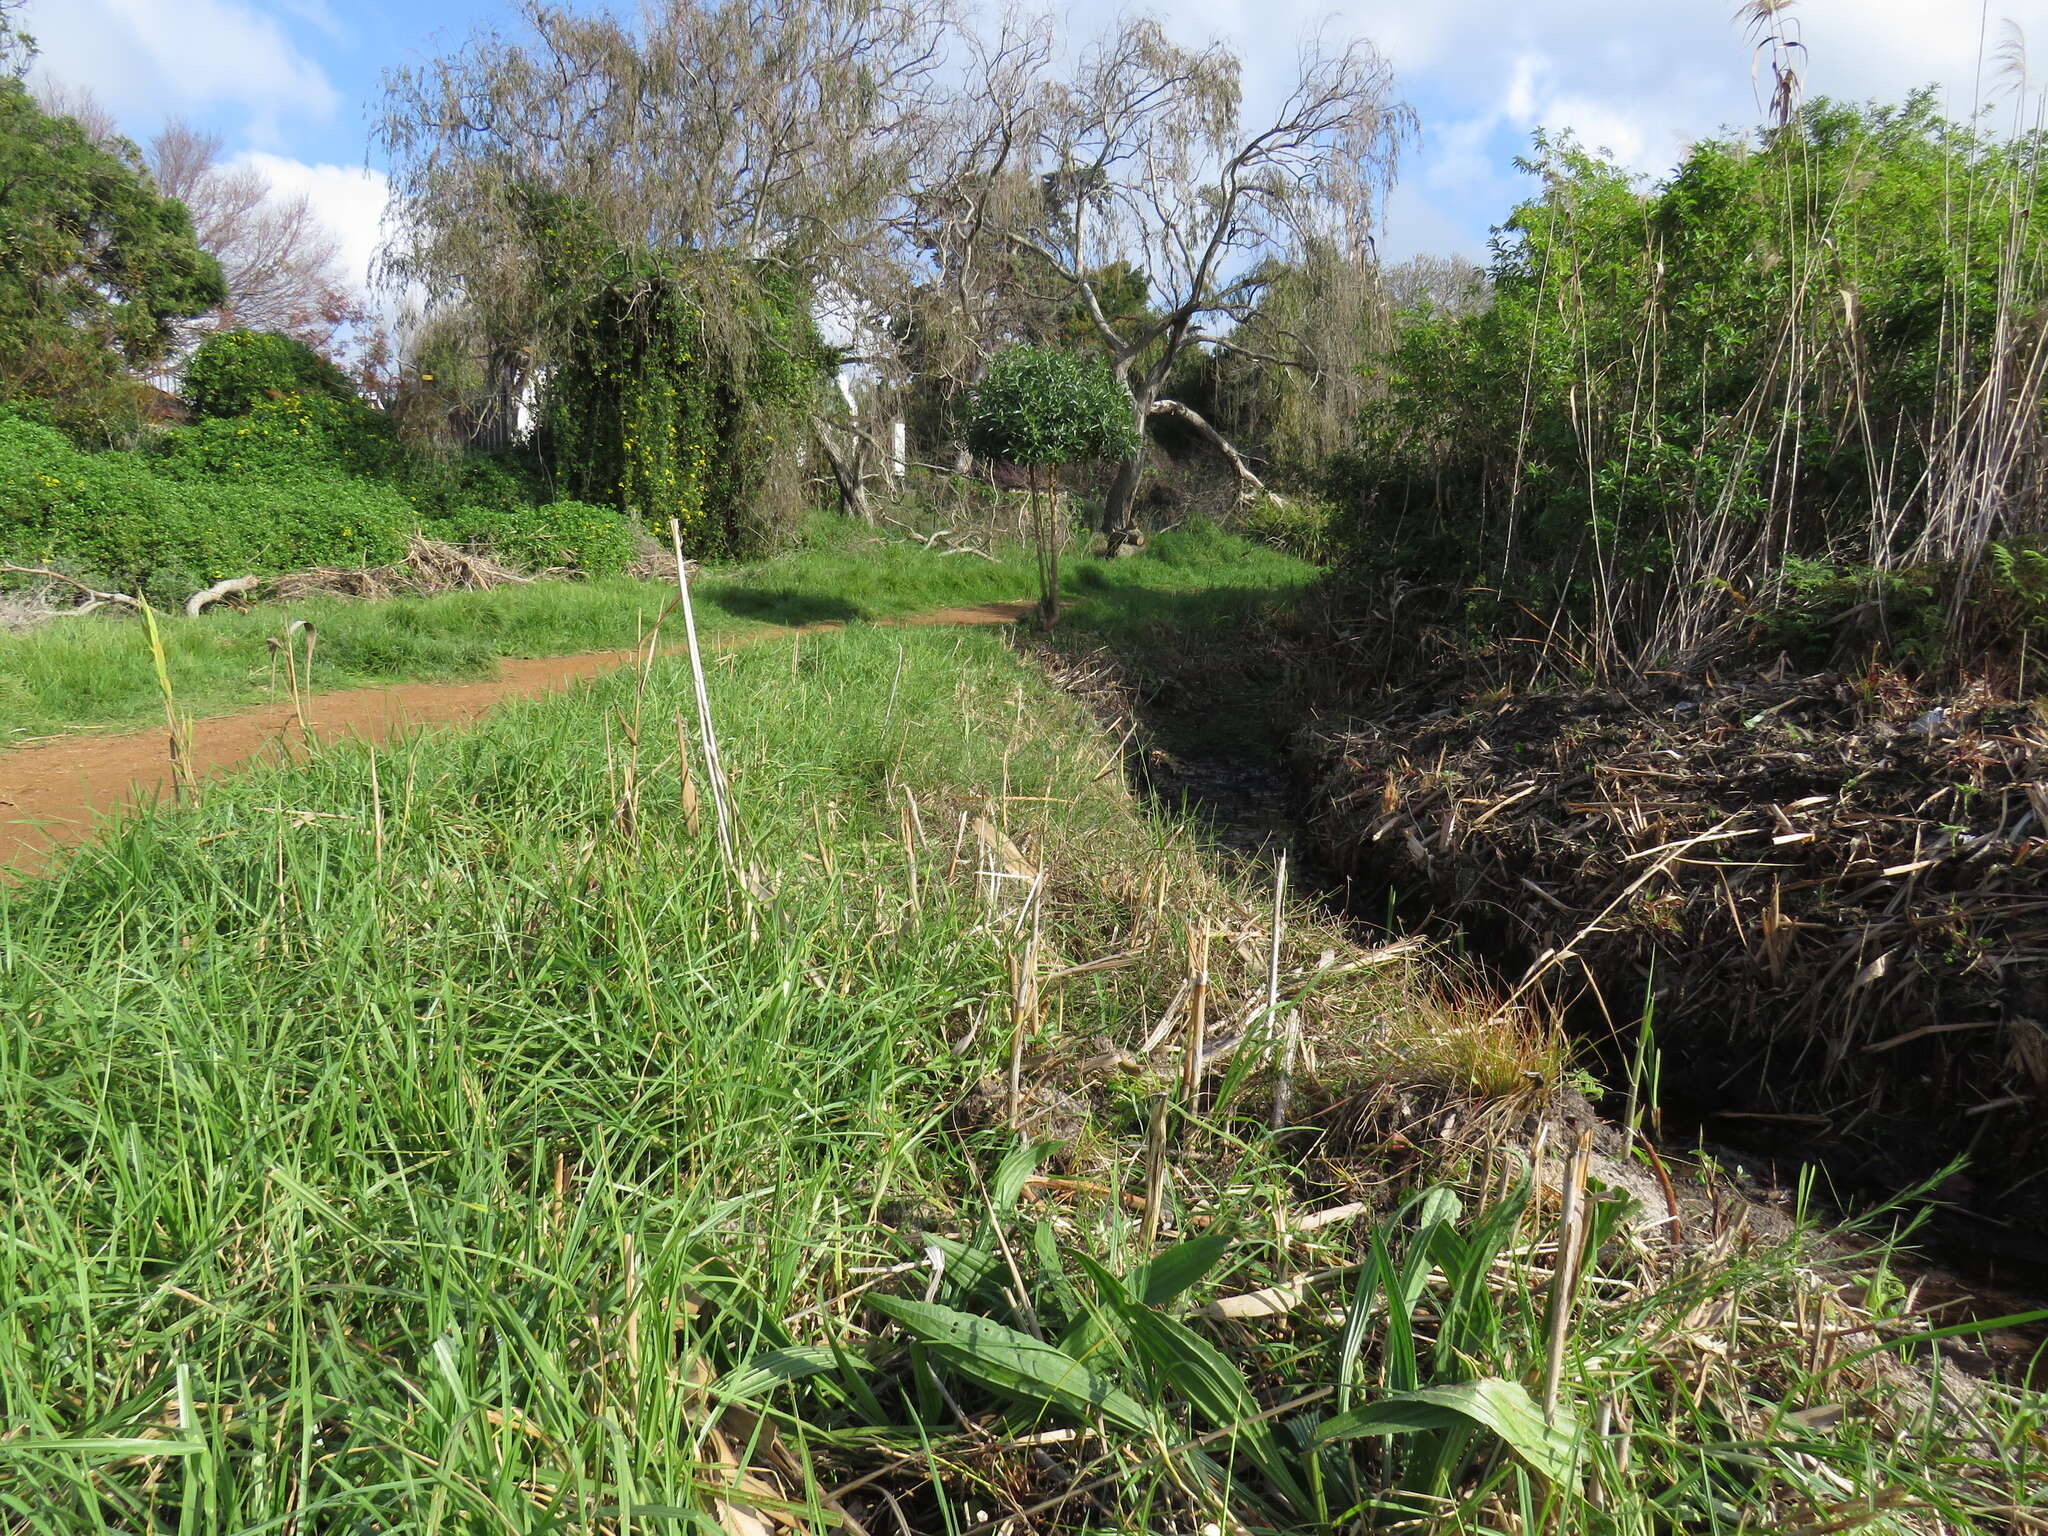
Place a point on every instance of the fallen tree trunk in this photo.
(1248, 482)
(198, 602)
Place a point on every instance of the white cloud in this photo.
(150, 59)
(349, 200)
(1643, 80)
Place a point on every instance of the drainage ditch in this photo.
(1715, 1100)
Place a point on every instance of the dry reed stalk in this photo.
(1155, 1175)
(910, 855)
(299, 681)
(1198, 1014)
(1289, 1030)
(1565, 1275)
(959, 843)
(692, 822)
(1023, 1015)
(626, 815)
(184, 786)
(377, 810)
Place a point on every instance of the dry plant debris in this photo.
(1833, 884)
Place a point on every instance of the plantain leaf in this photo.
(1014, 1172)
(1156, 1282)
(1492, 1403)
(968, 1266)
(749, 1380)
(1014, 1363)
(1161, 1278)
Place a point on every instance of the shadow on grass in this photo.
(1206, 667)
(772, 605)
(1217, 691)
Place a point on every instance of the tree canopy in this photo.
(96, 265)
(1041, 406)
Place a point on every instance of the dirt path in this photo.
(53, 794)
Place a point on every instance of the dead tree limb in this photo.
(95, 597)
(1248, 483)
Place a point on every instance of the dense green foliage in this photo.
(298, 481)
(1812, 345)
(162, 528)
(231, 372)
(1044, 406)
(556, 535)
(283, 436)
(681, 386)
(97, 267)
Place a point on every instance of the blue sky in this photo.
(292, 84)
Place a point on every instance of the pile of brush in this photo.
(428, 567)
(1833, 889)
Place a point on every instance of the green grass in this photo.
(435, 1139)
(73, 674)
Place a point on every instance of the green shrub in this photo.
(1043, 406)
(1301, 526)
(445, 488)
(113, 518)
(283, 436)
(233, 372)
(596, 541)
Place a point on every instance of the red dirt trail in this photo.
(54, 794)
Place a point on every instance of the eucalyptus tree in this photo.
(281, 264)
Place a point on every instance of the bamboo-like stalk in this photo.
(1155, 1176)
(1287, 1031)
(1565, 1273)
(1023, 1015)
(1198, 1015)
(714, 772)
(184, 786)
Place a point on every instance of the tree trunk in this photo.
(1055, 536)
(1048, 555)
(853, 491)
(1123, 491)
